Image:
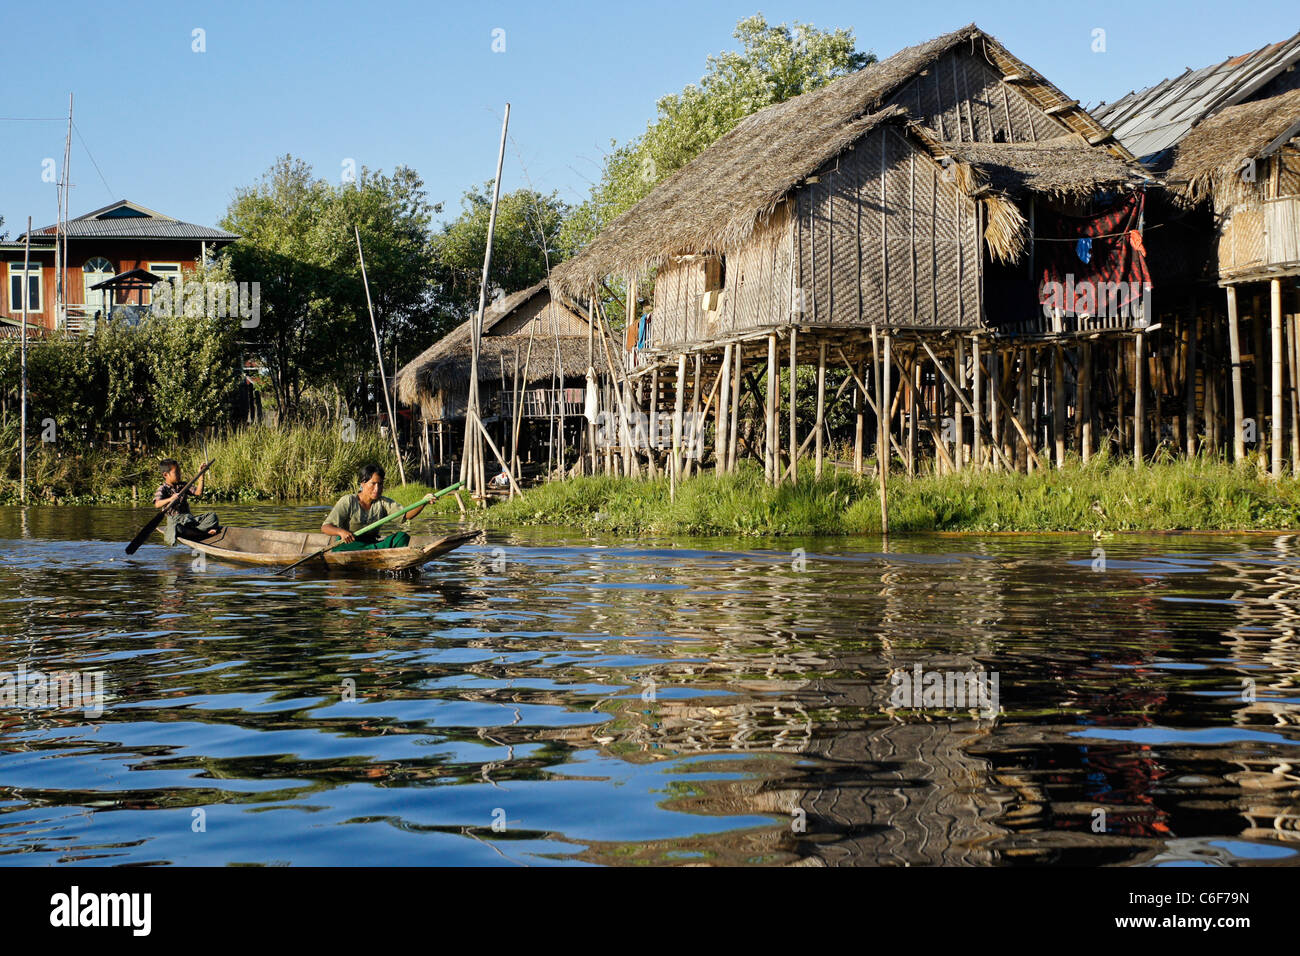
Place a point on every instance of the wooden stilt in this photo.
(721, 432)
(692, 435)
(1238, 401)
(1023, 420)
(1289, 328)
(770, 461)
(794, 436)
(675, 470)
(859, 404)
(733, 434)
(882, 432)
(1275, 323)
(1085, 401)
(1189, 384)
(652, 458)
(977, 394)
(1139, 410)
(961, 451)
(1058, 403)
(913, 416)
(1261, 398)
(821, 407)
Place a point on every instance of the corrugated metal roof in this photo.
(139, 222)
(1152, 121)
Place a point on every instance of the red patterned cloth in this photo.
(1118, 256)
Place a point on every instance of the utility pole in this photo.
(60, 229)
(22, 428)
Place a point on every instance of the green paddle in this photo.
(373, 525)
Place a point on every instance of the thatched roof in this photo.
(715, 201)
(1215, 150)
(445, 366)
(1064, 167)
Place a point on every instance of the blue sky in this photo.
(417, 83)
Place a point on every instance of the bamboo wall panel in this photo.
(1282, 231)
(885, 238)
(550, 317)
(963, 98)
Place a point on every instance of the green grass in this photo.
(1105, 496)
(260, 462)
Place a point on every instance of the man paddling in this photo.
(355, 511)
(179, 519)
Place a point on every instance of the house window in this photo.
(165, 271)
(35, 298)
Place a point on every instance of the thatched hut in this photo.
(1245, 161)
(534, 352)
(899, 199)
(1225, 138)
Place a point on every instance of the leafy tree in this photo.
(524, 246)
(298, 242)
(774, 64)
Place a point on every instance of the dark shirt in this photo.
(166, 490)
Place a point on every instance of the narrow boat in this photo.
(280, 548)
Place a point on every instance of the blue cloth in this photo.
(1084, 248)
(643, 331)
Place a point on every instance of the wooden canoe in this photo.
(280, 548)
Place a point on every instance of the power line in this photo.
(31, 119)
(111, 194)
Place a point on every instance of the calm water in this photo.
(546, 699)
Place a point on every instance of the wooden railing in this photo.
(545, 402)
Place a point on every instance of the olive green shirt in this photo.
(349, 515)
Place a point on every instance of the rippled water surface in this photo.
(544, 699)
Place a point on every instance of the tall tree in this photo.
(524, 247)
(774, 64)
(298, 242)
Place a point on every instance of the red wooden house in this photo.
(100, 245)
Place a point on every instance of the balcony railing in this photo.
(545, 402)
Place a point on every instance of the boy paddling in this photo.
(368, 505)
(180, 521)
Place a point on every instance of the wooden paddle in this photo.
(156, 520)
(375, 524)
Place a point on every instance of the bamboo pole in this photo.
(1189, 436)
(1030, 454)
(1261, 438)
(721, 437)
(794, 377)
(1288, 326)
(978, 396)
(821, 405)
(472, 465)
(652, 458)
(379, 354)
(693, 446)
(943, 372)
(769, 451)
(859, 406)
(733, 433)
(882, 431)
(1085, 401)
(1238, 401)
(675, 475)
(1058, 403)
(1275, 319)
(959, 384)
(22, 426)
(1139, 411)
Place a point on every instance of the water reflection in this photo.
(572, 701)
